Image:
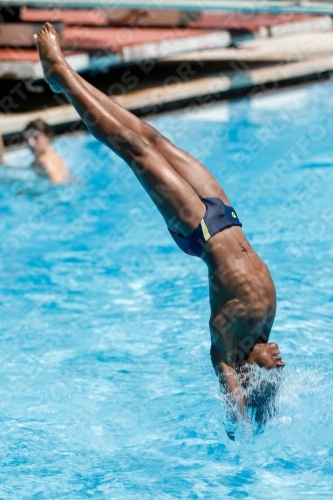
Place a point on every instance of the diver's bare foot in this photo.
(51, 56)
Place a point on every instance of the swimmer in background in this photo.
(199, 217)
(38, 136)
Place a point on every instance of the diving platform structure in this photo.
(246, 6)
(212, 49)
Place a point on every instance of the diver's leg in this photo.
(173, 196)
(190, 169)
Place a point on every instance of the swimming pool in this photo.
(107, 390)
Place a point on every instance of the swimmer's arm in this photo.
(55, 169)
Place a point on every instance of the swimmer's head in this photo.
(38, 136)
(266, 356)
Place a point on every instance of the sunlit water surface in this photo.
(107, 390)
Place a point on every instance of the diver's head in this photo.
(38, 136)
(266, 356)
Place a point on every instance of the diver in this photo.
(199, 218)
(38, 136)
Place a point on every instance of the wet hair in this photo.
(40, 126)
(261, 390)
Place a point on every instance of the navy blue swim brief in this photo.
(218, 217)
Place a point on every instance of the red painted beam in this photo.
(91, 17)
(249, 22)
(24, 55)
(114, 39)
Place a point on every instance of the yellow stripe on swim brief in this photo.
(205, 231)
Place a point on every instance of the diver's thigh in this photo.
(191, 170)
(176, 200)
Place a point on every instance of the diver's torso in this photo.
(242, 292)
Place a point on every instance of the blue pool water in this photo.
(107, 390)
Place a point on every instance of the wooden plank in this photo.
(287, 49)
(28, 55)
(264, 24)
(104, 17)
(141, 99)
(165, 47)
(149, 16)
(11, 124)
(24, 70)
(92, 17)
(18, 54)
(175, 92)
(142, 43)
(282, 72)
(319, 23)
(18, 34)
(252, 6)
(129, 45)
(21, 34)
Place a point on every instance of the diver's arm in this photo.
(229, 380)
